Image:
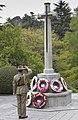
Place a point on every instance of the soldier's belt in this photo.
(20, 85)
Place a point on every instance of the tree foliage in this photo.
(76, 11)
(62, 19)
(17, 47)
(66, 54)
(26, 22)
(1, 6)
(10, 43)
(6, 78)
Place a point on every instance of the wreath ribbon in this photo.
(43, 85)
(63, 83)
(39, 100)
(29, 99)
(56, 85)
(33, 84)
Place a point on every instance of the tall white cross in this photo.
(48, 71)
(47, 41)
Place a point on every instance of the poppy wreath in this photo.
(43, 85)
(63, 83)
(29, 99)
(56, 85)
(39, 100)
(33, 84)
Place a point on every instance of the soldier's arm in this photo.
(27, 71)
(14, 86)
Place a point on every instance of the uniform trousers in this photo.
(21, 103)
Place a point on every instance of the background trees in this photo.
(26, 22)
(61, 21)
(76, 11)
(10, 43)
(21, 46)
(1, 6)
(66, 54)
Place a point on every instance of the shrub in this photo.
(6, 78)
(73, 89)
(75, 84)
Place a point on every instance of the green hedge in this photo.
(6, 78)
(75, 84)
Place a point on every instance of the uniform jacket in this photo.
(19, 83)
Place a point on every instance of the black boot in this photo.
(24, 117)
(19, 117)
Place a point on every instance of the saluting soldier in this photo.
(20, 88)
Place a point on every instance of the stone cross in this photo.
(48, 71)
(47, 41)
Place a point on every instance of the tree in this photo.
(73, 41)
(16, 21)
(71, 51)
(17, 47)
(34, 52)
(31, 22)
(26, 22)
(62, 19)
(1, 6)
(10, 42)
(63, 59)
(76, 11)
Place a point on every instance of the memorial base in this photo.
(57, 99)
(54, 99)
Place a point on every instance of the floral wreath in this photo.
(56, 85)
(29, 99)
(43, 85)
(63, 83)
(39, 100)
(33, 84)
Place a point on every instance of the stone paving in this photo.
(8, 110)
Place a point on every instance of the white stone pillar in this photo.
(48, 66)
(48, 71)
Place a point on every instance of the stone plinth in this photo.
(57, 99)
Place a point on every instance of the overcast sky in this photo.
(20, 7)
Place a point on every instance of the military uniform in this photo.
(20, 88)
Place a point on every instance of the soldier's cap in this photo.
(20, 67)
